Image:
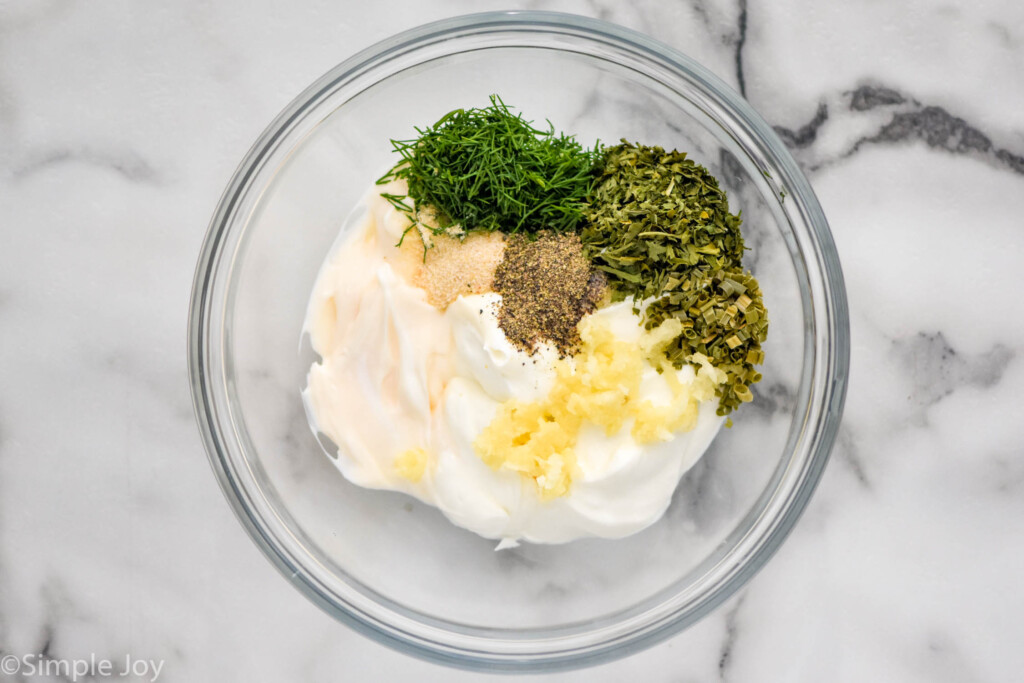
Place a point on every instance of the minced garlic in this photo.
(599, 385)
(412, 464)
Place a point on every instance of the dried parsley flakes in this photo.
(659, 226)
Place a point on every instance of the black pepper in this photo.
(547, 286)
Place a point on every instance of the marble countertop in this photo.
(121, 122)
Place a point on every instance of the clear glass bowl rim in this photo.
(533, 651)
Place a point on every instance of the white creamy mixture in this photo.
(397, 374)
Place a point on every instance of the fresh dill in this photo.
(489, 169)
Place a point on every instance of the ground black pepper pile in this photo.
(547, 286)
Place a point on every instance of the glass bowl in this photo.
(397, 570)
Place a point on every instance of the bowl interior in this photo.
(395, 551)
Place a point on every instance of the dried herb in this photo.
(488, 169)
(724, 318)
(659, 226)
(653, 216)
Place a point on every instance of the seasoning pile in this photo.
(547, 285)
(587, 224)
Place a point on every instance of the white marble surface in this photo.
(120, 123)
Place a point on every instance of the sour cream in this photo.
(397, 375)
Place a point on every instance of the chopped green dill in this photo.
(659, 226)
(488, 169)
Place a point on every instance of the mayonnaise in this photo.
(396, 376)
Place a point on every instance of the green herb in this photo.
(654, 216)
(659, 226)
(723, 318)
(487, 169)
